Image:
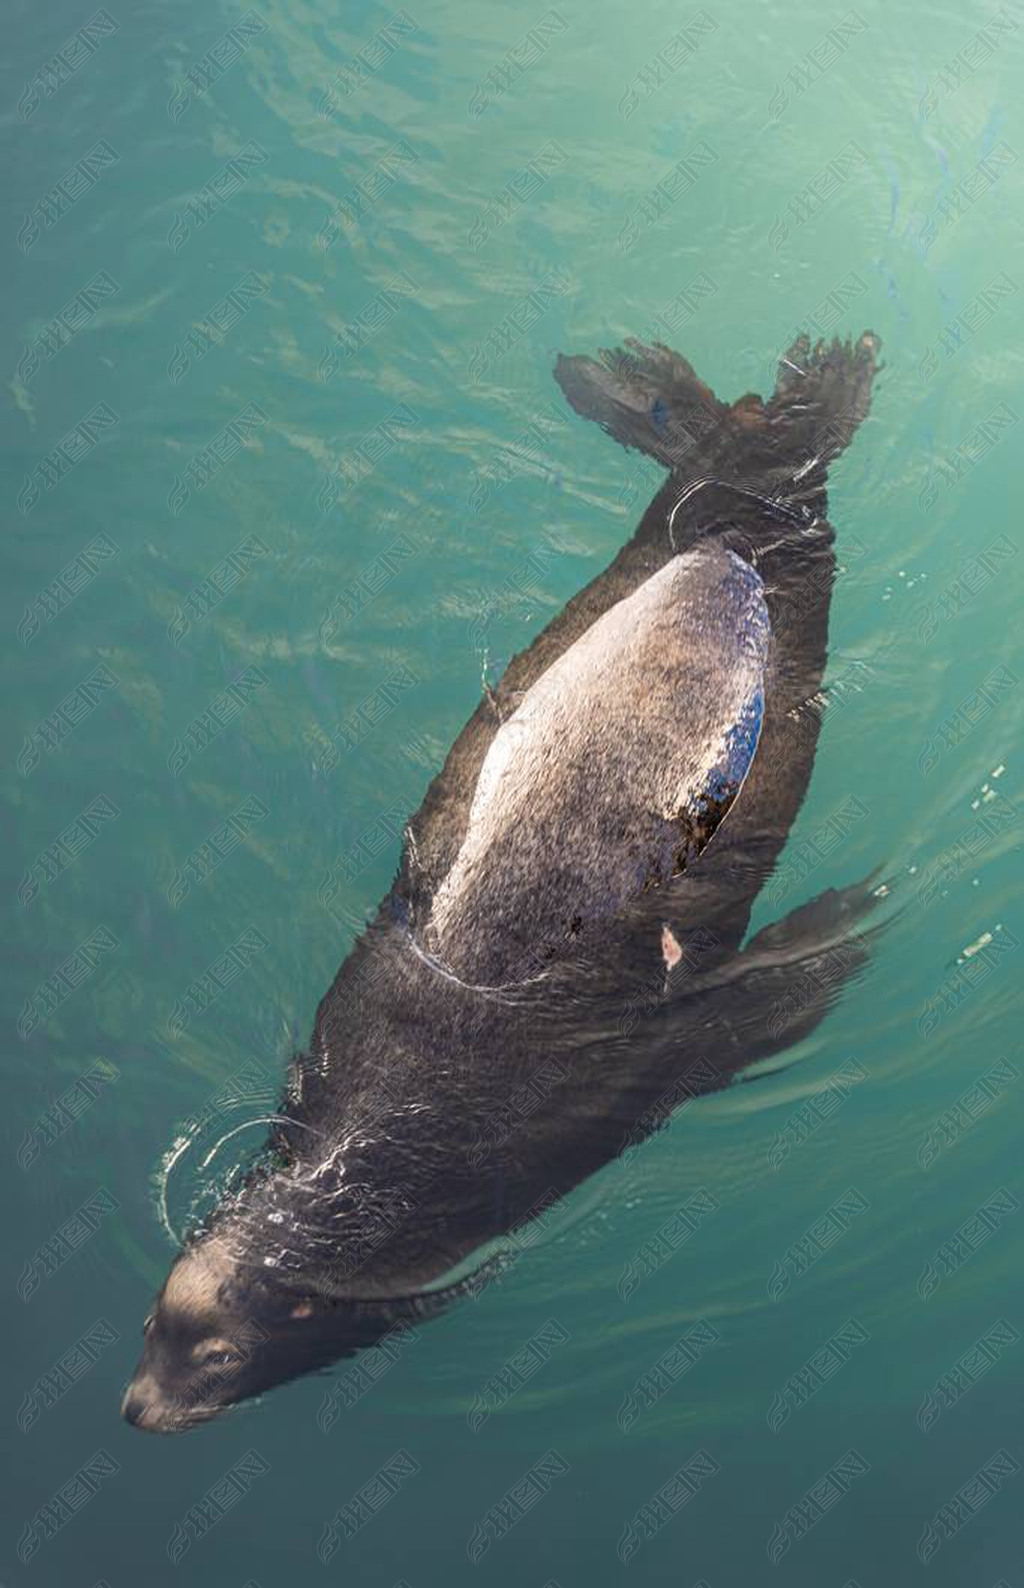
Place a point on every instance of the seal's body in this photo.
(562, 926)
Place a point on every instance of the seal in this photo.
(563, 948)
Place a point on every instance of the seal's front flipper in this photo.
(645, 397)
(783, 984)
(418, 1306)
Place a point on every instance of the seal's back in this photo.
(616, 767)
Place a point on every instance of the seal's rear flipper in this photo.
(825, 392)
(821, 396)
(645, 397)
(651, 399)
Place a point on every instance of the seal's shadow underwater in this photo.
(569, 914)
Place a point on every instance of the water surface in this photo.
(825, 170)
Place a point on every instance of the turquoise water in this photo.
(232, 250)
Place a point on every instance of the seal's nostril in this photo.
(133, 1408)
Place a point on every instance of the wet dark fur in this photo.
(413, 1071)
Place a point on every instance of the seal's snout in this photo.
(134, 1409)
(143, 1408)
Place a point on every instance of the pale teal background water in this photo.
(589, 494)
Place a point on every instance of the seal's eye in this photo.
(218, 1354)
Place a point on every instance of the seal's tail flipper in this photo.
(821, 396)
(645, 397)
(651, 399)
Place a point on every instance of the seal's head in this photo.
(221, 1332)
